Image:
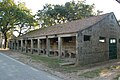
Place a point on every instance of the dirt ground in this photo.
(109, 70)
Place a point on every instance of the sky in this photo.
(103, 5)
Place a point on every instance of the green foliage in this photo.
(7, 17)
(14, 17)
(25, 19)
(56, 14)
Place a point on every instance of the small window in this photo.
(87, 37)
(113, 41)
(102, 39)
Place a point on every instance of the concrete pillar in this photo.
(47, 46)
(60, 47)
(32, 46)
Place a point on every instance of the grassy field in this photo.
(54, 63)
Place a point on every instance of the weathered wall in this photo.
(94, 51)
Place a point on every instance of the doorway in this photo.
(112, 48)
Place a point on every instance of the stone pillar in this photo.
(14, 44)
(77, 53)
(47, 46)
(31, 46)
(17, 44)
(60, 47)
(21, 45)
(25, 46)
(38, 45)
(11, 45)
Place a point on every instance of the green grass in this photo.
(91, 74)
(70, 69)
(49, 61)
(53, 63)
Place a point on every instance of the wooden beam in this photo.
(54, 36)
(67, 35)
(44, 37)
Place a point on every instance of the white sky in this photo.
(103, 5)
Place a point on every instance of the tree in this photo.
(13, 17)
(25, 19)
(7, 18)
(56, 14)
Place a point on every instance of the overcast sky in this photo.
(103, 5)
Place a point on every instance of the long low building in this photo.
(89, 40)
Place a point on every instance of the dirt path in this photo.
(105, 75)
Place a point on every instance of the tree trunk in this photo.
(5, 42)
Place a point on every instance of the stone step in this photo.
(67, 63)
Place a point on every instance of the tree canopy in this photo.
(25, 19)
(12, 15)
(56, 14)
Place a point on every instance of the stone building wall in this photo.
(92, 47)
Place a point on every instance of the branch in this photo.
(118, 1)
